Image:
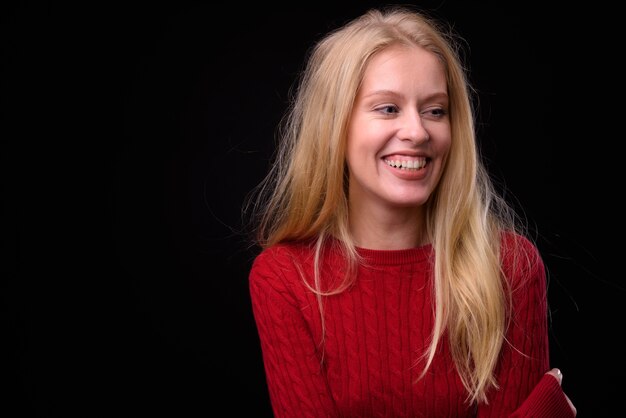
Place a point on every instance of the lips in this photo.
(407, 166)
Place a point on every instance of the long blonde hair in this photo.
(304, 196)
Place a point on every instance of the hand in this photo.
(559, 377)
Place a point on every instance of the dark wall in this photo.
(135, 132)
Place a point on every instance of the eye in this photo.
(435, 112)
(387, 109)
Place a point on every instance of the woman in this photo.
(393, 280)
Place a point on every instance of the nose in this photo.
(412, 128)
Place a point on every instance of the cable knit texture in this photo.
(367, 362)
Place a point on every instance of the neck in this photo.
(387, 229)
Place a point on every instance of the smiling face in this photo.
(399, 131)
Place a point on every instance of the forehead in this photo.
(402, 66)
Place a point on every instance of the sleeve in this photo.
(524, 389)
(296, 381)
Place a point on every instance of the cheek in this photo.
(442, 141)
(443, 149)
(359, 145)
(350, 152)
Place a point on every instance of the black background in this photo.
(134, 131)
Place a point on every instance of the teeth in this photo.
(407, 164)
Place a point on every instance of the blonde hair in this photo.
(304, 196)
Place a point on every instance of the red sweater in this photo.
(375, 333)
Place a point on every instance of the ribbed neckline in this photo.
(395, 257)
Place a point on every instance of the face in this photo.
(399, 131)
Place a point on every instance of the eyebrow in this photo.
(436, 95)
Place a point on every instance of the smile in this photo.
(412, 164)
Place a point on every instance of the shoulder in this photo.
(283, 257)
(515, 244)
(279, 268)
(521, 259)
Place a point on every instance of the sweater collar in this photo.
(396, 257)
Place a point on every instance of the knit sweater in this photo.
(368, 360)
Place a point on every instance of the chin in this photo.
(409, 199)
